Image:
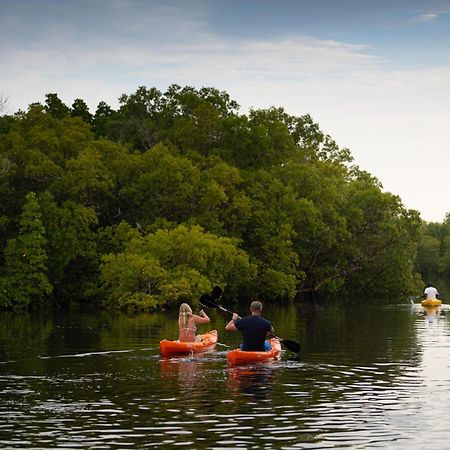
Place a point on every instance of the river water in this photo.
(368, 377)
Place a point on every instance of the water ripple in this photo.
(386, 397)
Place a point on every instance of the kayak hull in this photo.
(431, 302)
(237, 356)
(171, 348)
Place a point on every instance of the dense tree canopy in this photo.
(177, 191)
(433, 252)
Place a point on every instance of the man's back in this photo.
(254, 331)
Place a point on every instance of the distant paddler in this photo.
(431, 295)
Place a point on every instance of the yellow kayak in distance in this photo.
(431, 302)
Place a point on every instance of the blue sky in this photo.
(375, 75)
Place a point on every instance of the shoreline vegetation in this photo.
(156, 202)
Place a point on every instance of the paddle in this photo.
(216, 293)
(206, 300)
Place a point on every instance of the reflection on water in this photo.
(256, 381)
(187, 374)
(368, 377)
(431, 313)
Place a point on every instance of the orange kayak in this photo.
(237, 356)
(169, 348)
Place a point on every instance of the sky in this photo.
(375, 75)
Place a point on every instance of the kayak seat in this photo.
(267, 346)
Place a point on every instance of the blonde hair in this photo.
(184, 315)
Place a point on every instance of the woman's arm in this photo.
(202, 318)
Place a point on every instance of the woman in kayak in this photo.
(187, 323)
(254, 329)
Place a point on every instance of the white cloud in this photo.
(206, 60)
(429, 17)
(389, 119)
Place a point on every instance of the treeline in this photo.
(433, 252)
(174, 192)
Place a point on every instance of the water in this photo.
(368, 377)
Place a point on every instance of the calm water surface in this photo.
(368, 377)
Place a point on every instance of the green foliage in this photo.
(87, 179)
(24, 279)
(428, 257)
(433, 252)
(269, 236)
(7, 170)
(103, 117)
(164, 185)
(71, 245)
(386, 241)
(80, 109)
(6, 123)
(176, 191)
(276, 284)
(56, 107)
(174, 264)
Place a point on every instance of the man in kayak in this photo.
(431, 293)
(254, 329)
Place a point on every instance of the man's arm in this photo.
(230, 326)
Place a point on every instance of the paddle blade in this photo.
(291, 345)
(216, 293)
(206, 300)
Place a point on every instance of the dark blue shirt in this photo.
(254, 331)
